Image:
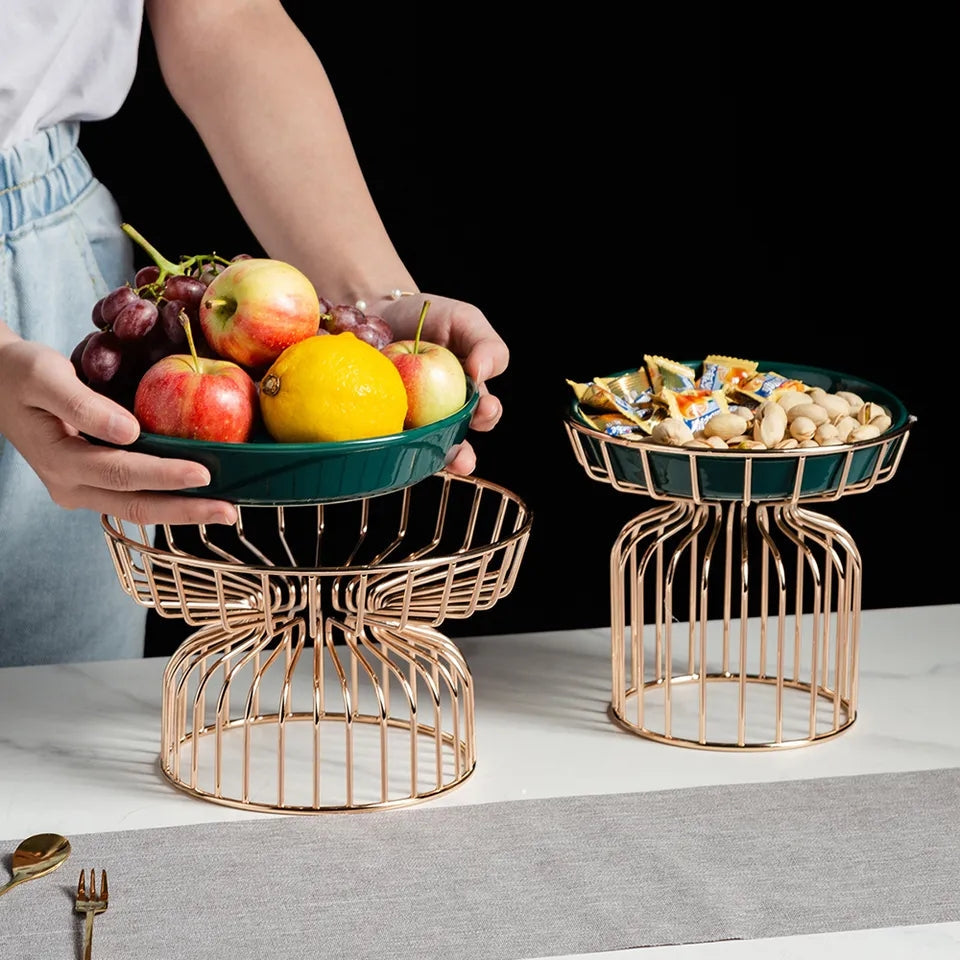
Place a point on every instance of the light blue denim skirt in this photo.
(61, 249)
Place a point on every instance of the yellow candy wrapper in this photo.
(615, 425)
(724, 373)
(618, 395)
(769, 386)
(593, 396)
(669, 374)
(694, 406)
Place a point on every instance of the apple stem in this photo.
(185, 323)
(423, 316)
(216, 302)
(165, 266)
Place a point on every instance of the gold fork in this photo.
(94, 903)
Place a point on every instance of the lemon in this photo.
(332, 387)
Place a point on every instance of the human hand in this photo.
(462, 328)
(43, 410)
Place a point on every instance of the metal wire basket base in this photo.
(317, 680)
(777, 669)
(686, 689)
(403, 732)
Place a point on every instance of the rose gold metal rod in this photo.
(704, 619)
(284, 710)
(348, 712)
(727, 587)
(771, 550)
(828, 574)
(761, 521)
(354, 642)
(744, 622)
(696, 517)
(693, 588)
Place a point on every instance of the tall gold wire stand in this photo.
(317, 685)
(781, 667)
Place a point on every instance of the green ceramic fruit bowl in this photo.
(267, 473)
(773, 475)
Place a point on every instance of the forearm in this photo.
(261, 101)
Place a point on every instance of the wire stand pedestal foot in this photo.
(317, 680)
(735, 608)
(768, 674)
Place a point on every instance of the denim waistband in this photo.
(40, 175)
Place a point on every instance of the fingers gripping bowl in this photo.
(286, 397)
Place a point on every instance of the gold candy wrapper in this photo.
(695, 407)
(615, 425)
(768, 386)
(592, 396)
(634, 386)
(667, 388)
(724, 373)
(669, 374)
(628, 395)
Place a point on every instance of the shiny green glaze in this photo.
(268, 473)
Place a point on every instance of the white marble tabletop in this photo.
(547, 738)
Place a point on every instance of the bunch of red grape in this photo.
(335, 318)
(138, 324)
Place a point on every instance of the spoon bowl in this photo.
(37, 855)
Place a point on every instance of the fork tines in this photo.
(94, 898)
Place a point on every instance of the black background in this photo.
(600, 199)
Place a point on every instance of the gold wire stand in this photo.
(780, 668)
(317, 681)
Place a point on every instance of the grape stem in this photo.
(164, 265)
(185, 323)
(423, 316)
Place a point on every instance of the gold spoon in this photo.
(42, 853)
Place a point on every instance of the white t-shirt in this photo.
(64, 60)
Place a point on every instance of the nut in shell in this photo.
(835, 406)
(883, 422)
(770, 429)
(811, 411)
(866, 431)
(827, 432)
(773, 408)
(672, 432)
(845, 426)
(869, 411)
(854, 400)
(725, 426)
(742, 411)
(791, 398)
(802, 428)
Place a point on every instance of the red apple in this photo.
(256, 308)
(198, 398)
(432, 375)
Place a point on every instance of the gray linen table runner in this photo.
(512, 880)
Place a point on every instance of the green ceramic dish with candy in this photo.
(264, 472)
(721, 476)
